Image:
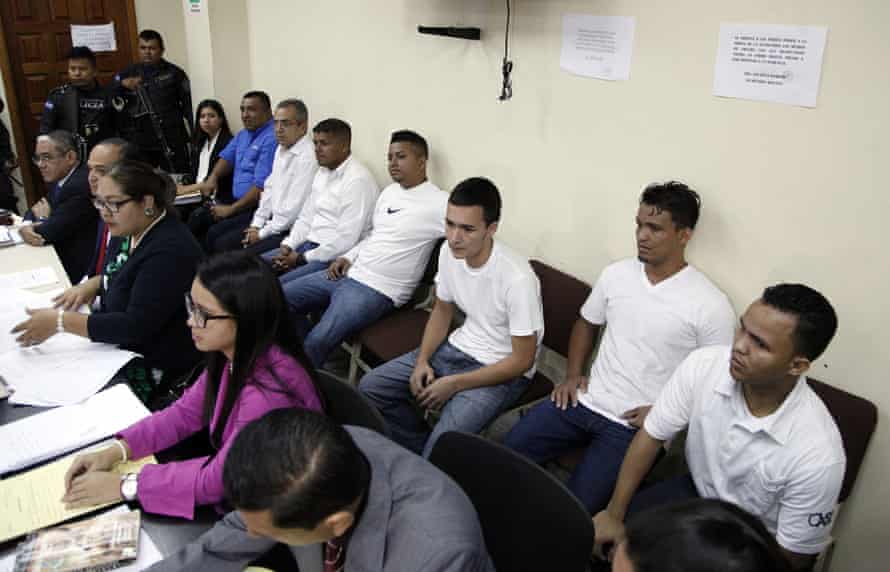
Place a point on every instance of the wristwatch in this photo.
(129, 484)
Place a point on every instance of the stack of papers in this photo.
(63, 370)
(34, 278)
(52, 433)
(188, 199)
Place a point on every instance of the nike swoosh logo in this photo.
(392, 211)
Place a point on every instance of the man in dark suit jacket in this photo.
(65, 218)
(345, 495)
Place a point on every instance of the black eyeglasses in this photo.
(113, 207)
(199, 315)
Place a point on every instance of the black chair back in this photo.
(345, 405)
(530, 520)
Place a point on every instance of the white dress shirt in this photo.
(337, 213)
(204, 158)
(286, 188)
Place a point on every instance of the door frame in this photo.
(12, 104)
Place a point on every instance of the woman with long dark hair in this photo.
(255, 363)
(211, 135)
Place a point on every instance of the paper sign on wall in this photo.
(770, 62)
(97, 38)
(195, 6)
(597, 46)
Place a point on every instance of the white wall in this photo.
(789, 193)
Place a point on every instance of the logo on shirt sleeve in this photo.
(817, 519)
(48, 105)
(390, 210)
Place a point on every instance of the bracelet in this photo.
(124, 458)
(60, 321)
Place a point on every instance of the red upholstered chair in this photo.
(856, 419)
(562, 296)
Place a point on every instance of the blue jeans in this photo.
(349, 306)
(471, 410)
(546, 432)
(299, 271)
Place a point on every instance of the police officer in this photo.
(157, 100)
(81, 106)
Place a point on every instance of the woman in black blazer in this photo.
(211, 136)
(138, 300)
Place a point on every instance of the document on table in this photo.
(33, 500)
(33, 278)
(63, 370)
(148, 553)
(52, 433)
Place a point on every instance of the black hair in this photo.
(262, 96)
(336, 127)
(412, 138)
(683, 203)
(63, 141)
(702, 535)
(816, 318)
(149, 35)
(127, 150)
(83, 53)
(246, 288)
(478, 192)
(138, 180)
(298, 464)
(199, 137)
(298, 105)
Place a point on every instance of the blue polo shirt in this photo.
(251, 154)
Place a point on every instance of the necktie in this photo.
(334, 556)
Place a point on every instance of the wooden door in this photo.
(37, 37)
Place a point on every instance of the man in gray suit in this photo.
(342, 498)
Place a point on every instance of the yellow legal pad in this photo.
(32, 500)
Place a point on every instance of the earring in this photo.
(149, 212)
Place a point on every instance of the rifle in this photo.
(157, 125)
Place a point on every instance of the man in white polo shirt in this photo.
(337, 213)
(483, 366)
(657, 308)
(289, 184)
(382, 271)
(759, 436)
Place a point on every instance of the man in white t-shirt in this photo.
(657, 308)
(337, 213)
(382, 271)
(759, 436)
(484, 365)
(289, 184)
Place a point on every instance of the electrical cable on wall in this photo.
(507, 65)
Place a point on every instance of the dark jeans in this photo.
(547, 432)
(266, 244)
(470, 410)
(226, 234)
(348, 305)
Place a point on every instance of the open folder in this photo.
(33, 500)
(52, 433)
